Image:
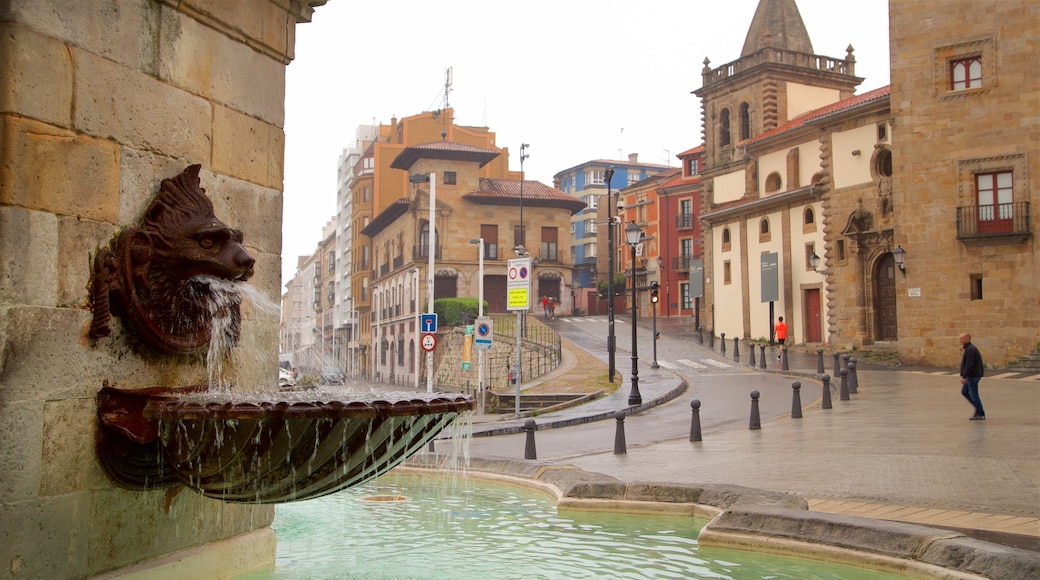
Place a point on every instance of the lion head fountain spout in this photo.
(167, 281)
(151, 275)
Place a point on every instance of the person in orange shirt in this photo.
(781, 333)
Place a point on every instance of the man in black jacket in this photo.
(971, 373)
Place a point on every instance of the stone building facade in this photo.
(966, 154)
(100, 101)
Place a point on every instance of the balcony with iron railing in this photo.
(423, 251)
(682, 262)
(1004, 223)
(684, 221)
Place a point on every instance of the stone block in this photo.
(123, 31)
(254, 209)
(37, 73)
(246, 147)
(20, 453)
(51, 169)
(69, 451)
(78, 243)
(266, 24)
(140, 173)
(28, 256)
(205, 62)
(46, 538)
(133, 109)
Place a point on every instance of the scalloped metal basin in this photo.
(265, 452)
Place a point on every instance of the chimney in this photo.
(633, 158)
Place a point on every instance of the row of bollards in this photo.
(849, 384)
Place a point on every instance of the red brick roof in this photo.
(843, 105)
(497, 191)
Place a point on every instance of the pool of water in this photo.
(459, 528)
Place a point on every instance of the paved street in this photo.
(901, 448)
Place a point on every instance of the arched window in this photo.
(810, 216)
(725, 236)
(745, 121)
(724, 127)
(424, 240)
(883, 163)
(774, 182)
(764, 226)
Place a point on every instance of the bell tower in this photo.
(777, 78)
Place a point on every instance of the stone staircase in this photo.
(1026, 363)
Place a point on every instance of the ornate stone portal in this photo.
(158, 278)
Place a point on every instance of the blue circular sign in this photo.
(523, 272)
(483, 329)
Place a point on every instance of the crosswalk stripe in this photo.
(1033, 378)
(716, 363)
(690, 363)
(1005, 375)
(667, 365)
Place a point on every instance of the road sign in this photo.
(518, 284)
(429, 342)
(485, 331)
(428, 323)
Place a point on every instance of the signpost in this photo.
(518, 285)
(429, 342)
(428, 323)
(485, 330)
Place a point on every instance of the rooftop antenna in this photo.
(667, 157)
(447, 92)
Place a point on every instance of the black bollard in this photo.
(783, 359)
(711, 340)
(837, 363)
(756, 419)
(700, 336)
(619, 434)
(845, 360)
(695, 422)
(736, 349)
(826, 391)
(529, 450)
(762, 356)
(722, 343)
(853, 376)
(844, 384)
(796, 400)
(819, 361)
(751, 363)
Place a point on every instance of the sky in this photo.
(575, 79)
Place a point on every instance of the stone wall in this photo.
(99, 101)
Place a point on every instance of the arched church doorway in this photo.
(885, 324)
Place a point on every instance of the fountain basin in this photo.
(260, 452)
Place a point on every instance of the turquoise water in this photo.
(459, 528)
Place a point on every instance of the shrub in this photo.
(456, 311)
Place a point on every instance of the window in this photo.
(574, 227)
(594, 177)
(966, 73)
(400, 352)
(763, 226)
(976, 286)
(490, 234)
(810, 249)
(364, 289)
(633, 177)
(686, 249)
(449, 178)
(549, 248)
(995, 196)
(592, 201)
(684, 295)
(590, 226)
(841, 251)
(331, 293)
(774, 182)
(725, 240)
(331, 262)
(745, 121)
(727, 277)
(724, 127)
(424, 241)
(590, 250)
(810, 217)
(692, 167)
(366, 195)
(882, 132)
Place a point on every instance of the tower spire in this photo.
(777, 24)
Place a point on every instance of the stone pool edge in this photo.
(752, 519)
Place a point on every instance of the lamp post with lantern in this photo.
(632, 236)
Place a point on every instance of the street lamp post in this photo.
(609, 175)
(418, 330)
(632, 235)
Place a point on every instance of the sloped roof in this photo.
(843, 105)
(445, 150)
(498, 191)
(386, 217)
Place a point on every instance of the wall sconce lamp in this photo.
(814, 262)
(900, 256)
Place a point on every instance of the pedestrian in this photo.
(781, 334)
(971, 374)
(545, 307)
(552, 308)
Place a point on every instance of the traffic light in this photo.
(654, 291)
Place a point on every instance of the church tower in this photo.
(776, 78)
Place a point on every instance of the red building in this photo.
(679, 229)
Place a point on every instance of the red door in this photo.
(813, 315)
